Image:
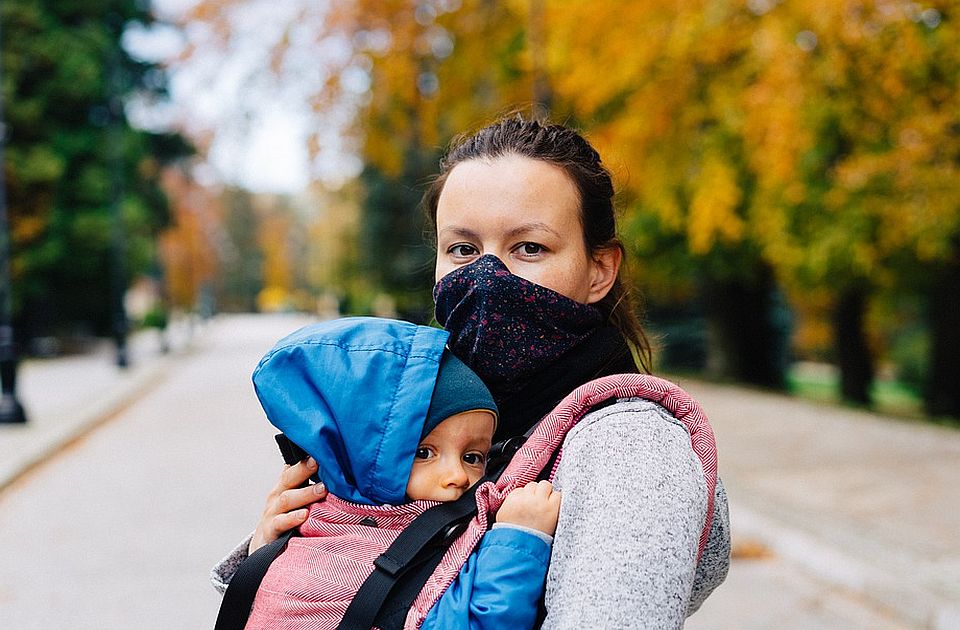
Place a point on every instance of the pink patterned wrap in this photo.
(310, 584)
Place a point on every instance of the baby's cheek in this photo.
(415, 484)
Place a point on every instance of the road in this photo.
(120, 529)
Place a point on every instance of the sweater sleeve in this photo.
(498, 588)
(223, 571)
(634, 504)
(715, 561)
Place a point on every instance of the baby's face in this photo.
(452, 457)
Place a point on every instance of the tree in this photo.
(407, 93)
(872, 194)
(818, 139)
(191, 247)
(242, 275)
(63, 172)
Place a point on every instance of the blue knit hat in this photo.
(458, 389)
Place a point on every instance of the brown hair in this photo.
(567, 149)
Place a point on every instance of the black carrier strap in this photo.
(238, 598)
(413, 555)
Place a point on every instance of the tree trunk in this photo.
(747, 338)
(943, 391)
(850, 342)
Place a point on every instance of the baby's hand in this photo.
(536, 505)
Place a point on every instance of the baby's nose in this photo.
(455, 476)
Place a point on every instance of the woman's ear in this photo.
(606, 265)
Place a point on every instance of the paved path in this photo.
(841, 519)
(863, 505)
(68, 396)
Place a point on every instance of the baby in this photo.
(395, 422)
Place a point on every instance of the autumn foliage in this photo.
(808, 148)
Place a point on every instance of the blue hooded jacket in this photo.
(354, 393)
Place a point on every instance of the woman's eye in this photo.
(422, 453)
(473, 459)
(463, 250)
(530, 249)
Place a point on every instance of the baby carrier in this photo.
(404, 557)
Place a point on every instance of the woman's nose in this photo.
(498, 261)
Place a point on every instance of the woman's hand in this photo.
(287, 503)
(536, 505)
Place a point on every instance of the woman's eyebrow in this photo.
(514, 232)
(464, 233)
(534, 226)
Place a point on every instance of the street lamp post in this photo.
(11, 411)
(118, 247)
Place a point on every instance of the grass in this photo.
(822, 383)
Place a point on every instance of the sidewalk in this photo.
(66, 397)
(867, 504)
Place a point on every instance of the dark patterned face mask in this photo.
(504, 327)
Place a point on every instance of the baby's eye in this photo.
(474, 459)
(423, 453)
(463, 250)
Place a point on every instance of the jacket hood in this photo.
(354, 393)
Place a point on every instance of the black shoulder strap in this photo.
(238, 598)
(436, 527)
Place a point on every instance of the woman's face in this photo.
(525, 212)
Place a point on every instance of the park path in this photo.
(841, 519)
(864, 505)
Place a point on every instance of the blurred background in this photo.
(788, 174)
(788, 171)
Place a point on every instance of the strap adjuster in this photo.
(452, 532)
(388, 565)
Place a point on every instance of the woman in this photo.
(528, 285)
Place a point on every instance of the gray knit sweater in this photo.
(634, 503)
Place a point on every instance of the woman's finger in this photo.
(296, 498)
(288, 520)
(284, 508)
(294, 476)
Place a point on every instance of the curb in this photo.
(24, 448)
